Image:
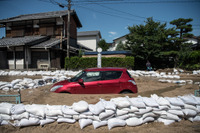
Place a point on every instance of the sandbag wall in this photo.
(119, 111)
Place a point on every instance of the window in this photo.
(92, 76)
(109, 75)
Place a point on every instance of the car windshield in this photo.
(78, 76)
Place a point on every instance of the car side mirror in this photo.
(80, 81)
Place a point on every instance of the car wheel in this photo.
(126, 92)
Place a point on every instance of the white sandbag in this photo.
(160, 100)
(52, 117)
(176, 112)
(84, 122)
(175, 101)
(189, 99)
(4, 122)
(114, 122)
(121, 112)
(106, 114)
(87, 113)
(46, 121)
(67, 116)
(67, 110)
(80, 106)
(66, 120)
(18, 109)
(143, 111)
(136, 102)
(196, 118)
(198, 108)
(15, 82)
(81, 116)
(28, 122)
(163, 107)
(159, 112)
(5, 108)
(5, 117)
(75, 117)
(131, 109)
(20, 116)
(108, 104)
(134, 115)
(35, 109)
(121, 102)
(95, 118)
(149, 114)
(197, 99)
(134, 121)
(148, 119)
(165, 121)
(172, 107)
(187, 106)
(170, 116)
(97, 124)
(189, 112)
(150, 102)
(53, 110)
(123, 117)
(96, 108)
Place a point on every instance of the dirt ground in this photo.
(146, 87)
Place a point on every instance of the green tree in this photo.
(102, 44)
(120, 46)
(147, 41)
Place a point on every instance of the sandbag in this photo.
(143, 111)
(187, 106)
(35, 109)
(188, 99)
(17, 109)
(108, 104)
(150, 102)
(149, 114)
(53, 110)
(175, 101)
(4, 122)
(20, 116)
(189, 112)
(136, 102)
(165, 121)
(148, 119)
(121, 112)
(131, 109)
(97, 124)
(84, 122)
(170, 116)
(5, 117)
(121, 102)
(123, 117)
(5, 108)
(28, 122)
(106, 114)
(66, 120)
(134, 121)
(176, 112)
(46, 121)
(160, 100)
(67, 110)
(114, 122)
(80, 106)
(198, 108)
(95, 118)
(97, 108)
(172, 107)
(196, 118)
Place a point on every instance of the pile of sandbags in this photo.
(119, 111)
(28, 83)
(41, 73)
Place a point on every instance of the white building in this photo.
(116, 41)
(89, 39)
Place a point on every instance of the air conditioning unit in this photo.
(42, 64)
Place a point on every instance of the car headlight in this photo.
(56, 87)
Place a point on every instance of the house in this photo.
(195, 42)
(117, 41)
(38, 40)
(89, 39)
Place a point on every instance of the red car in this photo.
(98, 81)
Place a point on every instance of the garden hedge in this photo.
(76, 63)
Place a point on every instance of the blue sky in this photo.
(110, 18)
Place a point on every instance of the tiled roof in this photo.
(18, 41)
(89, 33)
(47, 44)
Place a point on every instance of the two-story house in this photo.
(38, 40)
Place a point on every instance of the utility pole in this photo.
(68, 27)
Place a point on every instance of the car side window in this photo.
(92, 76)
(109, 75)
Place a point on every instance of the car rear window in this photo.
(109, 75)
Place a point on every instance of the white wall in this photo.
(116, 42)
(89, 41)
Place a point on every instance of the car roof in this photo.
(106, 69)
